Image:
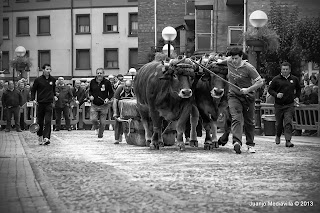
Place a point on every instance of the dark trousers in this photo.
(65, 111)
(242, 114)
(118, 130)
(15, 111)
(284, 117)
(22, 124)
(44, 115)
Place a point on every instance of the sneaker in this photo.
(237, 147)
(289, 144)
(40, 140)
(117, 142)
(277, 140)
(56, 129)
(46, 141)
(18, 130)
(69, 129)
(251, 149)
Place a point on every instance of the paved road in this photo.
(80, 173)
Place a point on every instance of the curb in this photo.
(52, 197)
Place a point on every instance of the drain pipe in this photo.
(155, 24)
(244, 23)
(72, 25)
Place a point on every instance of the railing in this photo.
(305, 116)
(77, 115)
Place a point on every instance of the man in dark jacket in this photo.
(286, 89)
(79, 96)
(44, 88)
(12, 101)
(100, 94)
(62, 104)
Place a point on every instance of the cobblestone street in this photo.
(78, 172)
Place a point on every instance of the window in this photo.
(235, 35)
(44, 57)
(133, 24)
(111, 58)
(110, 22)
(22, 26)
(83, 23)
(133, 58)
(4, 63)
(204, 33)
(43, 25)
(43, 0)
(6, 3)
(5, 28)
(22, 1)
(132, 0)
(83, 59)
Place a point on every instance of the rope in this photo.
(203, 67)
(129, 123)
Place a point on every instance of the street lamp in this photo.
(169, 34)
(132, 72)
(258, 19)
(165, 49)
(20, 51)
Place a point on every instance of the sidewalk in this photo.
(19, 189)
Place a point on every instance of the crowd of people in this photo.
(55, 98)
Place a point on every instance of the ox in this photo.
(211, 100)
(164, 92)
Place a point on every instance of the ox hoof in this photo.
(215, 144)
(207, 146)
(194, 143)
(182, 147)
(148, 142)
(188, 142)
(152, 146)
(221, 142)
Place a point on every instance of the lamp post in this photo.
(258, 19)
(165, 49)
(20, 51)
(169, 34)
(132, 72)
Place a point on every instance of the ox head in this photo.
(216, 84)
(180, 75)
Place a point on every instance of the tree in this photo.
(308, 37)
(284, 19)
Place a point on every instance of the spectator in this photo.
(44, 87)
(313, 80)
(12, 101)
(62, 104)
(100, 92)
(79, 96)
(25, 93)
(286, 89)
(118, 81)
(123, 91)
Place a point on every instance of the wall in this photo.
(169, 13)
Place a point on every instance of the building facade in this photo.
(75, 36)
(208, 25)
